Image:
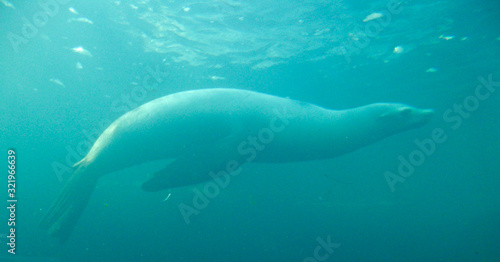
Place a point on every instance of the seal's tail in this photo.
(64, 213)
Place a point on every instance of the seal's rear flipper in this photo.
(64, 213)
(199, 165)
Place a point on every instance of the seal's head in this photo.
(400, 117)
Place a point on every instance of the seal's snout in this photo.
(428, 113)
(423, 116)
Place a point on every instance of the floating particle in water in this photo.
(57, 82)
(7, 4)
(431, 70)
(79, 65)
(134, 6)
(186, 8)
(169, 194)
(82, 51)
(72, 10)
(80, 20)
(45, 37)
(373, 16)
(446, 37)
(321, 31)
(398, 50)
(215, 78)
(464, 38)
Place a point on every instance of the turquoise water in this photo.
(70, 68)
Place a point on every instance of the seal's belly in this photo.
(128, 144)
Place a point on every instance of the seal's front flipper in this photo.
(199, 165)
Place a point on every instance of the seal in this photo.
(207, 130)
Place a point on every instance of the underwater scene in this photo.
(228, 130)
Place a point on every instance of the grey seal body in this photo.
(203, 130)
(173, 125)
